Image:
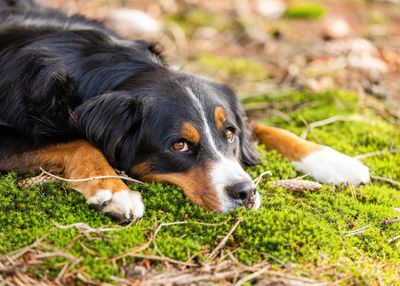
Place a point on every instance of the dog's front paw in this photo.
(123, 206)
(330, 166)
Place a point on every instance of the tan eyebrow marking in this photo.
(220, 117)
(190, 133)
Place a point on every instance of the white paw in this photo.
(100, 199)
(330, 166)
(124, 205)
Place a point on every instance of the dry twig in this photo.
(330, 120)
(178, 223)
(251, 276)
(85, 229)
(214, 253)
(357, 231)
(189, 277)
(261, 176)
(46, 176)
(161, 258)
(387, 180)
(376, 153)
(394, 239)
(126, 178)
(390, 220)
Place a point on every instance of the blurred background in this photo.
(268, 45)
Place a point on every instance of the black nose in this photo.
(243, 191)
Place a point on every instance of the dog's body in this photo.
(76, 98)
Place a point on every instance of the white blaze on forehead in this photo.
(207, 129)
(224, 172)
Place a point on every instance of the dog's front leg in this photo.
(321, 162)
(78, 160)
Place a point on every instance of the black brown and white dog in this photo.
(77, 99)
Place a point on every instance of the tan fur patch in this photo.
(141, 169)
(190, 133)
(195, 184)
(220, 117)
(289, 145)
(77, 160)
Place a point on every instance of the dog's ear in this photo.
(108, 121)
(248, 152)
(155, 49)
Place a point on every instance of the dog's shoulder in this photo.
(48, 19)
(30, 25)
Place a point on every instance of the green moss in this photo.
(305, 11)
(304, 229)
(377, 16)
(189, 21)
(222, 67)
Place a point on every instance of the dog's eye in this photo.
(180, 146)
(230, 135)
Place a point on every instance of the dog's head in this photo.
(165, 126)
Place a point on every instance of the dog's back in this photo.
(49, 65)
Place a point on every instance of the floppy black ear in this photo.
(108, 121)
(248, 152)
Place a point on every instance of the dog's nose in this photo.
(243, 192)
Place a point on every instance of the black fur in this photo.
(21, 4)
(63, 78)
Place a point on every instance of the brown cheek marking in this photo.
(289, 145)
(141, 169)
(77, 159)
(194, 183)
(190, 133)
(220, 117)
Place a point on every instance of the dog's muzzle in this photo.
(243, 193)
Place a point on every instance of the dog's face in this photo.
(178, 129)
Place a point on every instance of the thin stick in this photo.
(390, 221)
(387, 180)
(84, 228)
(159, 258)
(394, 238)
(58, 253)
(134, 250)
(190, 278)
(357, 231)
(302, 176)
(259, 178)
(330, 120)
(223, 242)
(15, 254)
(251, 276)
(179, 223)
(126, 178)
(376, 153)
(158, 229)
(153, 239)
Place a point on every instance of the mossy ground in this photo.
(305, 231)
(305, 11)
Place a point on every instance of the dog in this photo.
(77, 99)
